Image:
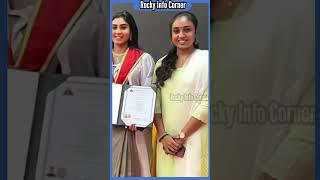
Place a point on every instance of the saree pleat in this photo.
(125, 160)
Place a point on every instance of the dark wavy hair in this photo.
(168, 64)
(125, 15)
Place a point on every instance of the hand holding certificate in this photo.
(133, 105)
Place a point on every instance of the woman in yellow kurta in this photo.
(182, 103)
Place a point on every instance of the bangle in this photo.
(162, 136)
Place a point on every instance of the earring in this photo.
(196, 42)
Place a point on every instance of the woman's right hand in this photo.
(169, 145)
(132, 128)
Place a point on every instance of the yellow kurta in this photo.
(184, 95)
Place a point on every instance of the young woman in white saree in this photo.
(131, 148)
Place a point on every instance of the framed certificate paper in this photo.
(72, 144)
(133, 105)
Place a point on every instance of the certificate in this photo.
(133, 105)
(73, 135)
(22, 92)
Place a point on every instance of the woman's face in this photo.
(183, 33)
(120, 32)
(223, 9)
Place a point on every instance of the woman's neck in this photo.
(185, 52)
(17, 4)
(224, 10)
(120, 49)
(183, 56)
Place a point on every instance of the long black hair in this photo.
(126, 16)
(168, 64)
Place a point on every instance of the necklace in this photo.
(117, 58)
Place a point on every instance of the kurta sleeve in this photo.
(289, 152)
(201, 111)
(147, 69)
(158, 102)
